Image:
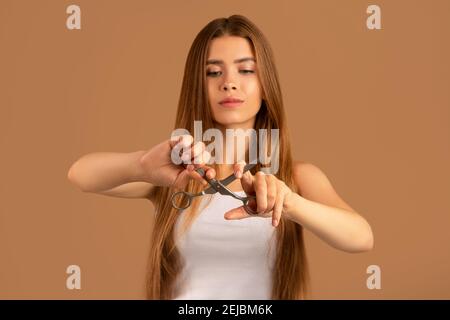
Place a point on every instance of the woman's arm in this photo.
(110, 173)
(321, 210)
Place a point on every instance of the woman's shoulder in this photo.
(315, 185)
(309, 178)
(304, 169)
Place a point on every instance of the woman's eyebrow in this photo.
(220, 62)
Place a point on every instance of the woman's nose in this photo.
(229, 86)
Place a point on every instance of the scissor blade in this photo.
(232, 177)
(226, 181)
(209, 190)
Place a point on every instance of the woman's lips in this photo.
(231, 104)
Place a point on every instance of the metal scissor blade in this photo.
(232, 177)
(210, 190)
(213, 182)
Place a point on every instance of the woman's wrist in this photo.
(137, 172)
(291, 204)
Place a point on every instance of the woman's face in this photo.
(231, 73)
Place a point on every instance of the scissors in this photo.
(215, 186)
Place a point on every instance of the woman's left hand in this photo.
(271, 197)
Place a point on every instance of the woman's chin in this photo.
(232, 123)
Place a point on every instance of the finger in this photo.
(209, 173)
(186, 155)
(189, 153)
(182, 147)
(197, 151)
(238, 169)
(174, 140)
(271, 191)
(195, 175)
(184, 140)
(261, 192)
(194, 154)
(276, 215)
(202, 159)
(236, 214)
(179, 145)
(247, 181)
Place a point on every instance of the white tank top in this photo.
(226, 259)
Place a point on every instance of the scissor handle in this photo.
(247, 208)
(177, 195)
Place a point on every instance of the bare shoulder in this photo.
(314, 184)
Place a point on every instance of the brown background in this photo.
(369, 107)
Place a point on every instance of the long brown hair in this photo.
(290, 274)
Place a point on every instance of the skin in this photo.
(319, 209)
(228, 75)
(228, 78)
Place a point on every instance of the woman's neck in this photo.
(230, 143)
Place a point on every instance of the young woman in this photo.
(215, 249)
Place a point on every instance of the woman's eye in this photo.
(218, 73)
(213, 73)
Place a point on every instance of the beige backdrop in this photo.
(369, 107)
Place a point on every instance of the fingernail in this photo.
(239, 174)
(275, 222)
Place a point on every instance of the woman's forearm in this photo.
(101, 171)
(342, 229)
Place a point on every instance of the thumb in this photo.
(236, 214)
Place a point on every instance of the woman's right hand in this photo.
(159, 169)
